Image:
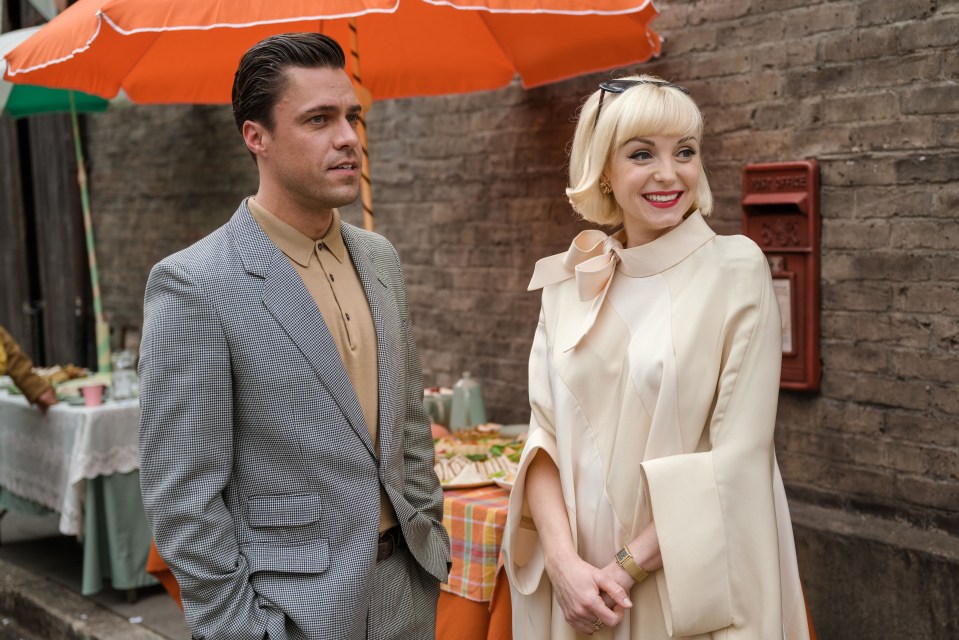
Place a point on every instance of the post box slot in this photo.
(776, 202)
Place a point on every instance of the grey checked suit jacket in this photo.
(257, 469)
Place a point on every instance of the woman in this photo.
(654, 379)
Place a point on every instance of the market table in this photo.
(82, 463)
(475, 603)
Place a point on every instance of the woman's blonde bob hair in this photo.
(652, 109)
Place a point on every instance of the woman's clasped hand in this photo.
(587, 594)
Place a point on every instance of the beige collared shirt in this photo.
(328, 272)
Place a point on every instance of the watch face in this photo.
(621, 555)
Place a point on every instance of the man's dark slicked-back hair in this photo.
(261, 76)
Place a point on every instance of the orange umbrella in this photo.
(186, 51)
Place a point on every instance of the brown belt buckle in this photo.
(387, 544)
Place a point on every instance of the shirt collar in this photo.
(298, 247)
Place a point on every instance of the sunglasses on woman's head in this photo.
(619, 86)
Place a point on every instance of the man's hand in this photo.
(46, 400)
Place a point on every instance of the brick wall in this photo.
(470, 190)
(160, 179)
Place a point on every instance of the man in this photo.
(16, 364)
(287, 463)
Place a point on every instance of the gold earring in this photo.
(604, 185)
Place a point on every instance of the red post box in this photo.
(781, 214)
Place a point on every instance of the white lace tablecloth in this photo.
(47, 459)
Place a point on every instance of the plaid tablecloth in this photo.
(475, 520)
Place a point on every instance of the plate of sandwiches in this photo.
(476, 458)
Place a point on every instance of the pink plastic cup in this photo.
(92, 395)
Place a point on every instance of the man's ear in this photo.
(256, 137)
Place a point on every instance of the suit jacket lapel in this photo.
(291, 305)
(377, 293)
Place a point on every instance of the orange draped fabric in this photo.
(157, 568)
(461, 619)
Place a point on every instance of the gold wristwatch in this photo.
(626, 561)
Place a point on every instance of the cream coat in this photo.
(654, 380)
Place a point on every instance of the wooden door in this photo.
(19, 311)
(60, 242)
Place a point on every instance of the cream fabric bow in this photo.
(592, 259)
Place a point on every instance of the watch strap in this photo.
(627, 562)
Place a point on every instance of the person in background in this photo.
(287, 461)
(649, 503)
(15, 363)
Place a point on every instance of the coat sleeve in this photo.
(422, 488)
(186, 449)
(20, 369)
(522, 551)
(714, 510)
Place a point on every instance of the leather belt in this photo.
(388, 542)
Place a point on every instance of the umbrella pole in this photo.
(101, 327)
(366, 188)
